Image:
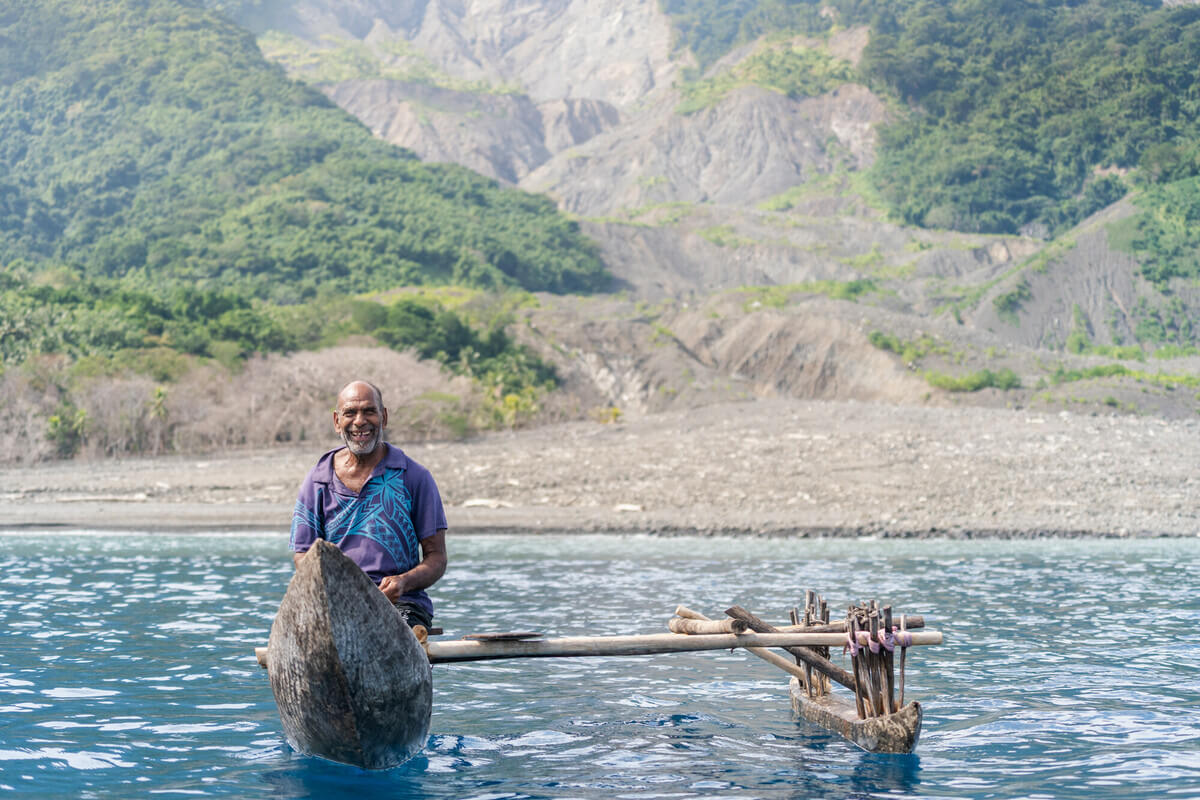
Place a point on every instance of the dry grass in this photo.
(272, 400)
(277, 399)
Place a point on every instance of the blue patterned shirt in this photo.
(379, 527)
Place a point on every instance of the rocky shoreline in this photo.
(782, 468)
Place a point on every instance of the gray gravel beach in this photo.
(768, 467)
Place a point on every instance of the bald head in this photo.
(356, 387)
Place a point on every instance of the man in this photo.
(377, 505)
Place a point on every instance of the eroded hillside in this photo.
(694, 190)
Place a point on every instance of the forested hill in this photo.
(1022, 112)
(1008, 115)
(149, 140)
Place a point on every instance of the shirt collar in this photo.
(394, 458)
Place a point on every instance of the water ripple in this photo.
(1070, 671)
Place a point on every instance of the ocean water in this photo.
(1071, 669)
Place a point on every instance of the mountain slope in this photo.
(150, 138)
(505, 136)
(750, 146)
(594, 49)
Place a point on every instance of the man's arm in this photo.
(423, 575)
(296, 558)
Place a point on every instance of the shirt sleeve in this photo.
(428, 516)
(308, 524)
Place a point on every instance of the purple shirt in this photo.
(380, 526)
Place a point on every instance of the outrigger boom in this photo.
(643, 645)
(533, 646)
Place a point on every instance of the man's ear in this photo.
(384, 423)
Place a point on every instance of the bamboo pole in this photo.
(856, 666)
(761, 652)
(778, 660)
(794, 616)
(701, 626)
(823, 618)
(876, 661)
(864, 673)
(809, 600)
(650, 644)
(799, 650)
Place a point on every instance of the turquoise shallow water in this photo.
(1070, 671)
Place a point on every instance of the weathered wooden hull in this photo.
(894, 733)
(351, 681)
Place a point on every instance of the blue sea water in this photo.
(1071, 669)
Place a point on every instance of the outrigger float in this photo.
(354, 683)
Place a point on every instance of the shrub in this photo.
(1004, 380)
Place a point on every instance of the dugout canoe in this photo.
(891, 733)
(351, 681)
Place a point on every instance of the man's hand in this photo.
(392, 587)
(423, 575)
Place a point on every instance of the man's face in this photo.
(359, 420)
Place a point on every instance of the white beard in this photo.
(365, 448)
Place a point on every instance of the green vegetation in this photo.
(661, 335)
(1079, 341)
(792, 70)
(723, 236)
(815, 186)
(1020, 104)
(1063, 375)
(1121, 352)
(1004, 380)
(786, 200)
(103, 319)
(1008, 304)
(869, 261)
(910, 352)
(105, 327)
(1163, 324)
(1166, 239)
(149, 140)
(1175, 351)
(842, 183)
(609, 415)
